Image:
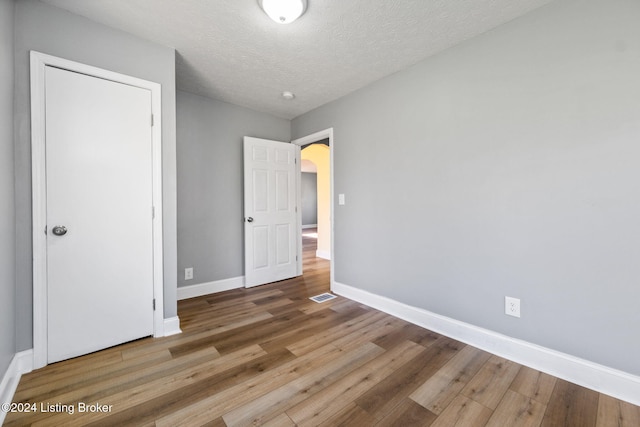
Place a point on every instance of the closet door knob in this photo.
(59, 230)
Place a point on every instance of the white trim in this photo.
(315, 137)
(304, 227)
(24, 361)
(299, 225)
(192, 291)
(38, 173)
(603, 379)
(323, 255)
(21, 363)
(172, 326)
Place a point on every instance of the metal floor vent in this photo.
(323, 297)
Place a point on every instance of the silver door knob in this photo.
(250, 219)
(59, 230)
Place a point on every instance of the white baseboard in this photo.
(323, 254)
(22, 363)
(192, 291)
(172, 326)
(25, 361)
(304, 227)
(619, 384)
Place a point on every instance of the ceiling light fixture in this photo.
(288, 95)
(283, 11)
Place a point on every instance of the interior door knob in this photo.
(250, 219)
(59, 230)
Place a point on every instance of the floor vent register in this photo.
(322, 297)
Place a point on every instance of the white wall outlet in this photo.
(512, 306)
(341, 199)
(188, 273)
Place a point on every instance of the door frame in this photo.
(309, 139)
(39, 61)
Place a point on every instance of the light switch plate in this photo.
(341, 199)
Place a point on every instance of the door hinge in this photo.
(154, 304)
(152, 120)
(153, 212)
(45, 230)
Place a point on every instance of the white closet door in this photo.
(99, 188)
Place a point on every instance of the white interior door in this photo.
(99, 187)
(272, 220)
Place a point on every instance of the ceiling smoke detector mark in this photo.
(288, 95)
(322, 297)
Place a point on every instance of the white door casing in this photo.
(271, 217)
(310, 139)
(96, 170)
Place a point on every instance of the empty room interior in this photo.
(458, 182)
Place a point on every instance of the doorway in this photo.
(321, 146)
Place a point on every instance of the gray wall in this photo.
(309, 198)
(56, 32)
(507, 165)
(7, 218)
(210, 180)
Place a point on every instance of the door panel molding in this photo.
(38, 175)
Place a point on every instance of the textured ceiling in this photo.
(231, 51)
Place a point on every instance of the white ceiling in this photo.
(231, 51)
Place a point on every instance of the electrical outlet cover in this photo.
(512, 306)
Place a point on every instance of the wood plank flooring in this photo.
(270, 356)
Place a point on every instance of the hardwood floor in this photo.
(270, 356)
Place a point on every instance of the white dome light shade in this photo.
(283, 11)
